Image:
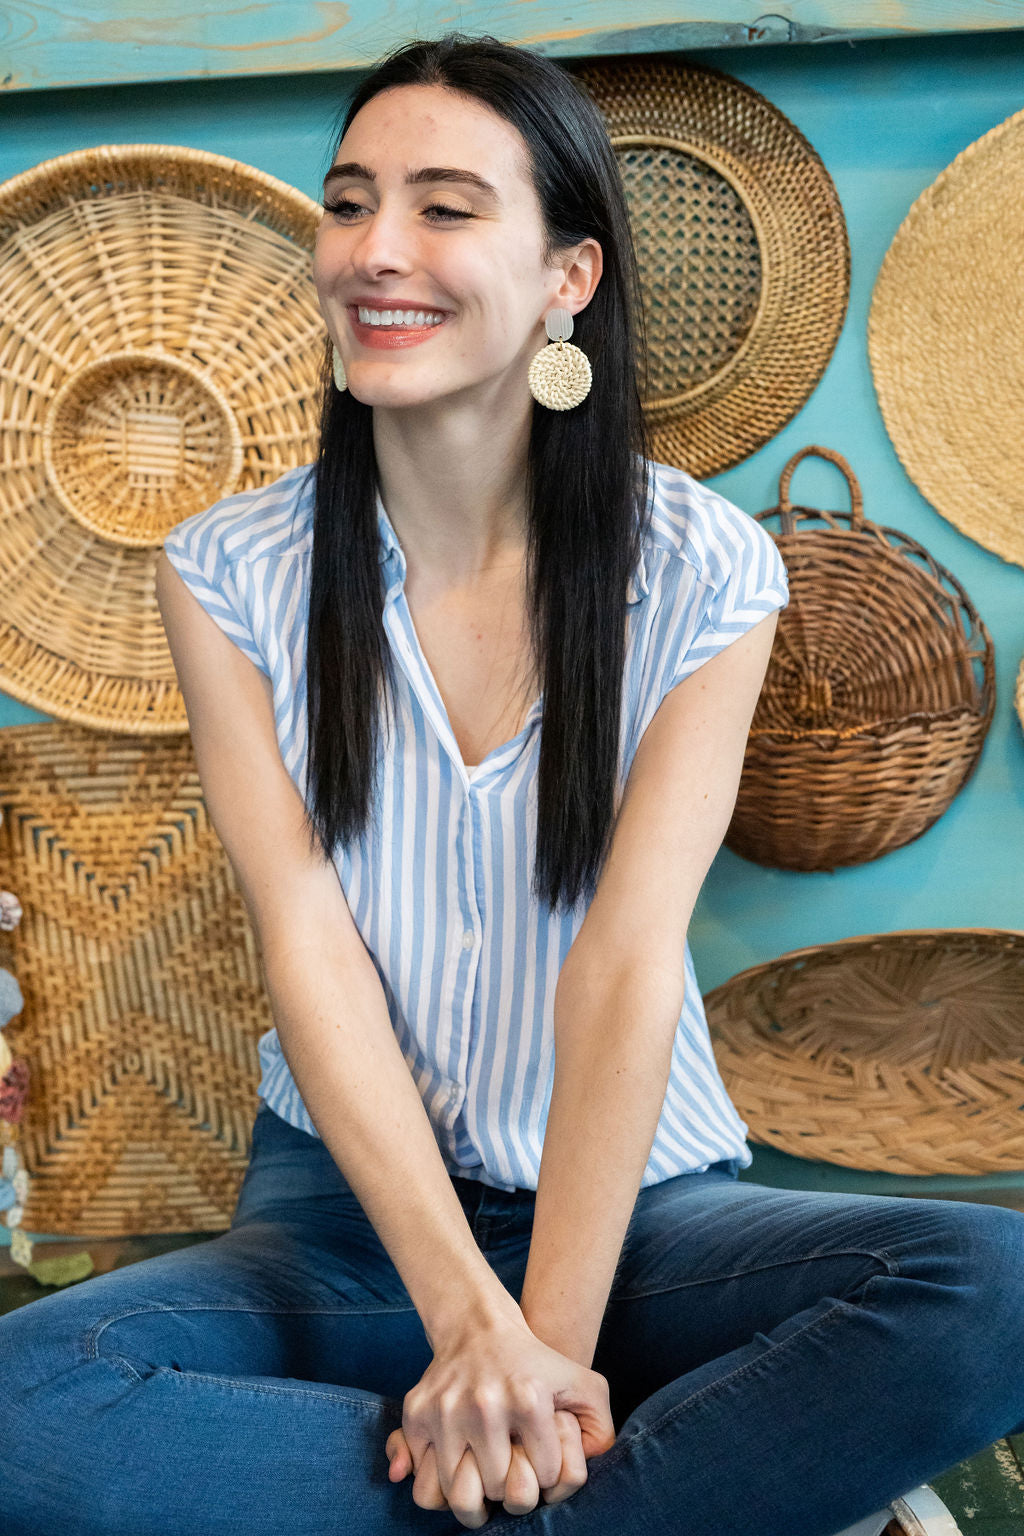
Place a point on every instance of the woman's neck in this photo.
(454, 486)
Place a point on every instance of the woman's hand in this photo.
(494, 1381)
(521, 1487)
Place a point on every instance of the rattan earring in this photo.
(560, 375)
(338, 369)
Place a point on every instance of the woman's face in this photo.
(407, 227)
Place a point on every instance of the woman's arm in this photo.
(326, 997)
(338, 1041)
(620, 990)
(613, 1051)
(490, 1377)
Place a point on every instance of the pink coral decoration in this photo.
(13, 1091)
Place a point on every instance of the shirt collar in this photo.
(390, 549)
(637, 588)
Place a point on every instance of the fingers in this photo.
(466, 1494)
(495, 1458)
(491, 1456)
(399, 1456)
(522, 1488)
(535, 1424)
(466, 1499)
(574, 1463)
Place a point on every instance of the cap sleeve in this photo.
(197, 549)
(742, 581)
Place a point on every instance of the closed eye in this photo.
(344, 208)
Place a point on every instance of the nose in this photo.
(382, 245)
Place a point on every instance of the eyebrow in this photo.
(353, 171)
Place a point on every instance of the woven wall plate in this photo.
(144, 998)
(743, 254)
(1019, 694)
(878, 696)
(160, 347)
(900, 1052)
(946, 341)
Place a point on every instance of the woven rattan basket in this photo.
(160, 347)
(877, 699)
(901, 1052)
(742, 251)
(144, 998)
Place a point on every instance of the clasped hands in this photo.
(499, 1415)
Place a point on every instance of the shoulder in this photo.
(271, 520)
(697, 532)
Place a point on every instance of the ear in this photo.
(581, 269)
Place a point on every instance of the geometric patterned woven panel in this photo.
(144, 996)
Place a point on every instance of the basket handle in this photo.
(785, 506)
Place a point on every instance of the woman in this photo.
(491, 1230)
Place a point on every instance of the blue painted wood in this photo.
(93, 42)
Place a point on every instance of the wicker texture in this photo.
(144, 998)
(945, 336)
(899, 1052)
(878, 694)
(743, 254)
(559, 377)
(160, 344)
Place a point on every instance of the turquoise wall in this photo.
(886, 116)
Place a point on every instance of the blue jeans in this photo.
(780, 1362)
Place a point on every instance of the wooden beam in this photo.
(108, 42)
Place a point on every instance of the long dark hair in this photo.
(587, 491)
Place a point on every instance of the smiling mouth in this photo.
(421, 320)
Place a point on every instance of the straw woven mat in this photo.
(743, 255)
(897, 1051)
(144, 998)
(946, 341)
(160, 345)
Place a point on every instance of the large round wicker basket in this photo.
(161, 347)
(897, 1051)
(877, 699)
(742, 250)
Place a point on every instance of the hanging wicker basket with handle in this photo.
(878, 695)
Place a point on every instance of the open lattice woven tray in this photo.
(878, 695)
(901, 1052)
(743, 254)
(144, 999)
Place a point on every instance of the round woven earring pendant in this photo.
(338, 369)
(559, 376)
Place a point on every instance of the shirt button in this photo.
(467, 939)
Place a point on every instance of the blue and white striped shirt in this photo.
(439, 887)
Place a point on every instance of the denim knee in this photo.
(36, 1344)
(967, 1352)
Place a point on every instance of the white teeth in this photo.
(403, 317)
